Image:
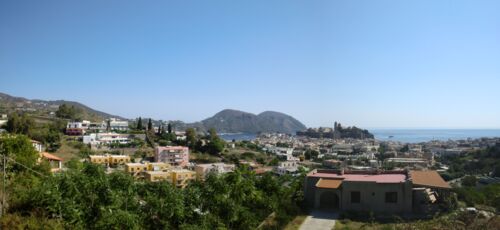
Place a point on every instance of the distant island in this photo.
(337, 132)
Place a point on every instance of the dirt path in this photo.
(319, 220)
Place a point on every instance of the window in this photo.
(355, 197)
(391, 197)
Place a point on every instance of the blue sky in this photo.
(415, 64)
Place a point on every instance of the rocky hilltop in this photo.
(337, 132)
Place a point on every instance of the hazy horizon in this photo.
(371, 64)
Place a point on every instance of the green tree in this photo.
(159, 130)
(69, 112)
(150, 124)
(169, 128)
(20, 124)
(469, 181)
(139, 123)
(191, 138)
(19, 149)
(216, 144)
(311, 154)
(108, 125)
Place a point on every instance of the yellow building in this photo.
(135, 168)
(181, 177)
(178, 177)
(109, 159)
(118, 159)
(158, 166)
(155, 176)
(99, 159)
(138, 168)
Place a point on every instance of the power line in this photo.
(4, 161)
(24, 166)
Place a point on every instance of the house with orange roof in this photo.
(55, 162)
(381, 192)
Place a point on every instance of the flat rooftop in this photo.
(361, 177)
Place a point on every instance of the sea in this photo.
(424, 135)
(403, 135)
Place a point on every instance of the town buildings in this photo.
(95, 139)
(173, 155)
(78, 128)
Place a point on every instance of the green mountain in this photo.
(234, 121)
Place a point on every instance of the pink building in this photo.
(173, 155)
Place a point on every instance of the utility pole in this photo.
(3, 185)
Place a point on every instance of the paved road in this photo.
(319, 220)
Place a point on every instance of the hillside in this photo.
(234, 121)
(10, 104)
(225, 121)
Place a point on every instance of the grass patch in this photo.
(203, 158)
(456, 220)
(295, 223)
(68, 150)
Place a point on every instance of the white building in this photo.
(283, 153)
(287, 168)
(105, 138)
(37, 145)
(202, 170)
(3, 119)
(78, 125)
(116, 124)
(281, 150)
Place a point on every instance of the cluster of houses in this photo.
(79, 128)
(102, 134)
(366, 150)
(171, 163)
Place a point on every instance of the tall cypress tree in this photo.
(108, 125)
(169, 128)
(160, 127)
(150, 124)
(162, 130)
(139, 123)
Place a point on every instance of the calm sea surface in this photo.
(423, 135)
(404, 135)
(238, 136)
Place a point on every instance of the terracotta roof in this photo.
(51, 157)
(428, 179)
(327, 183)
(377, 178)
